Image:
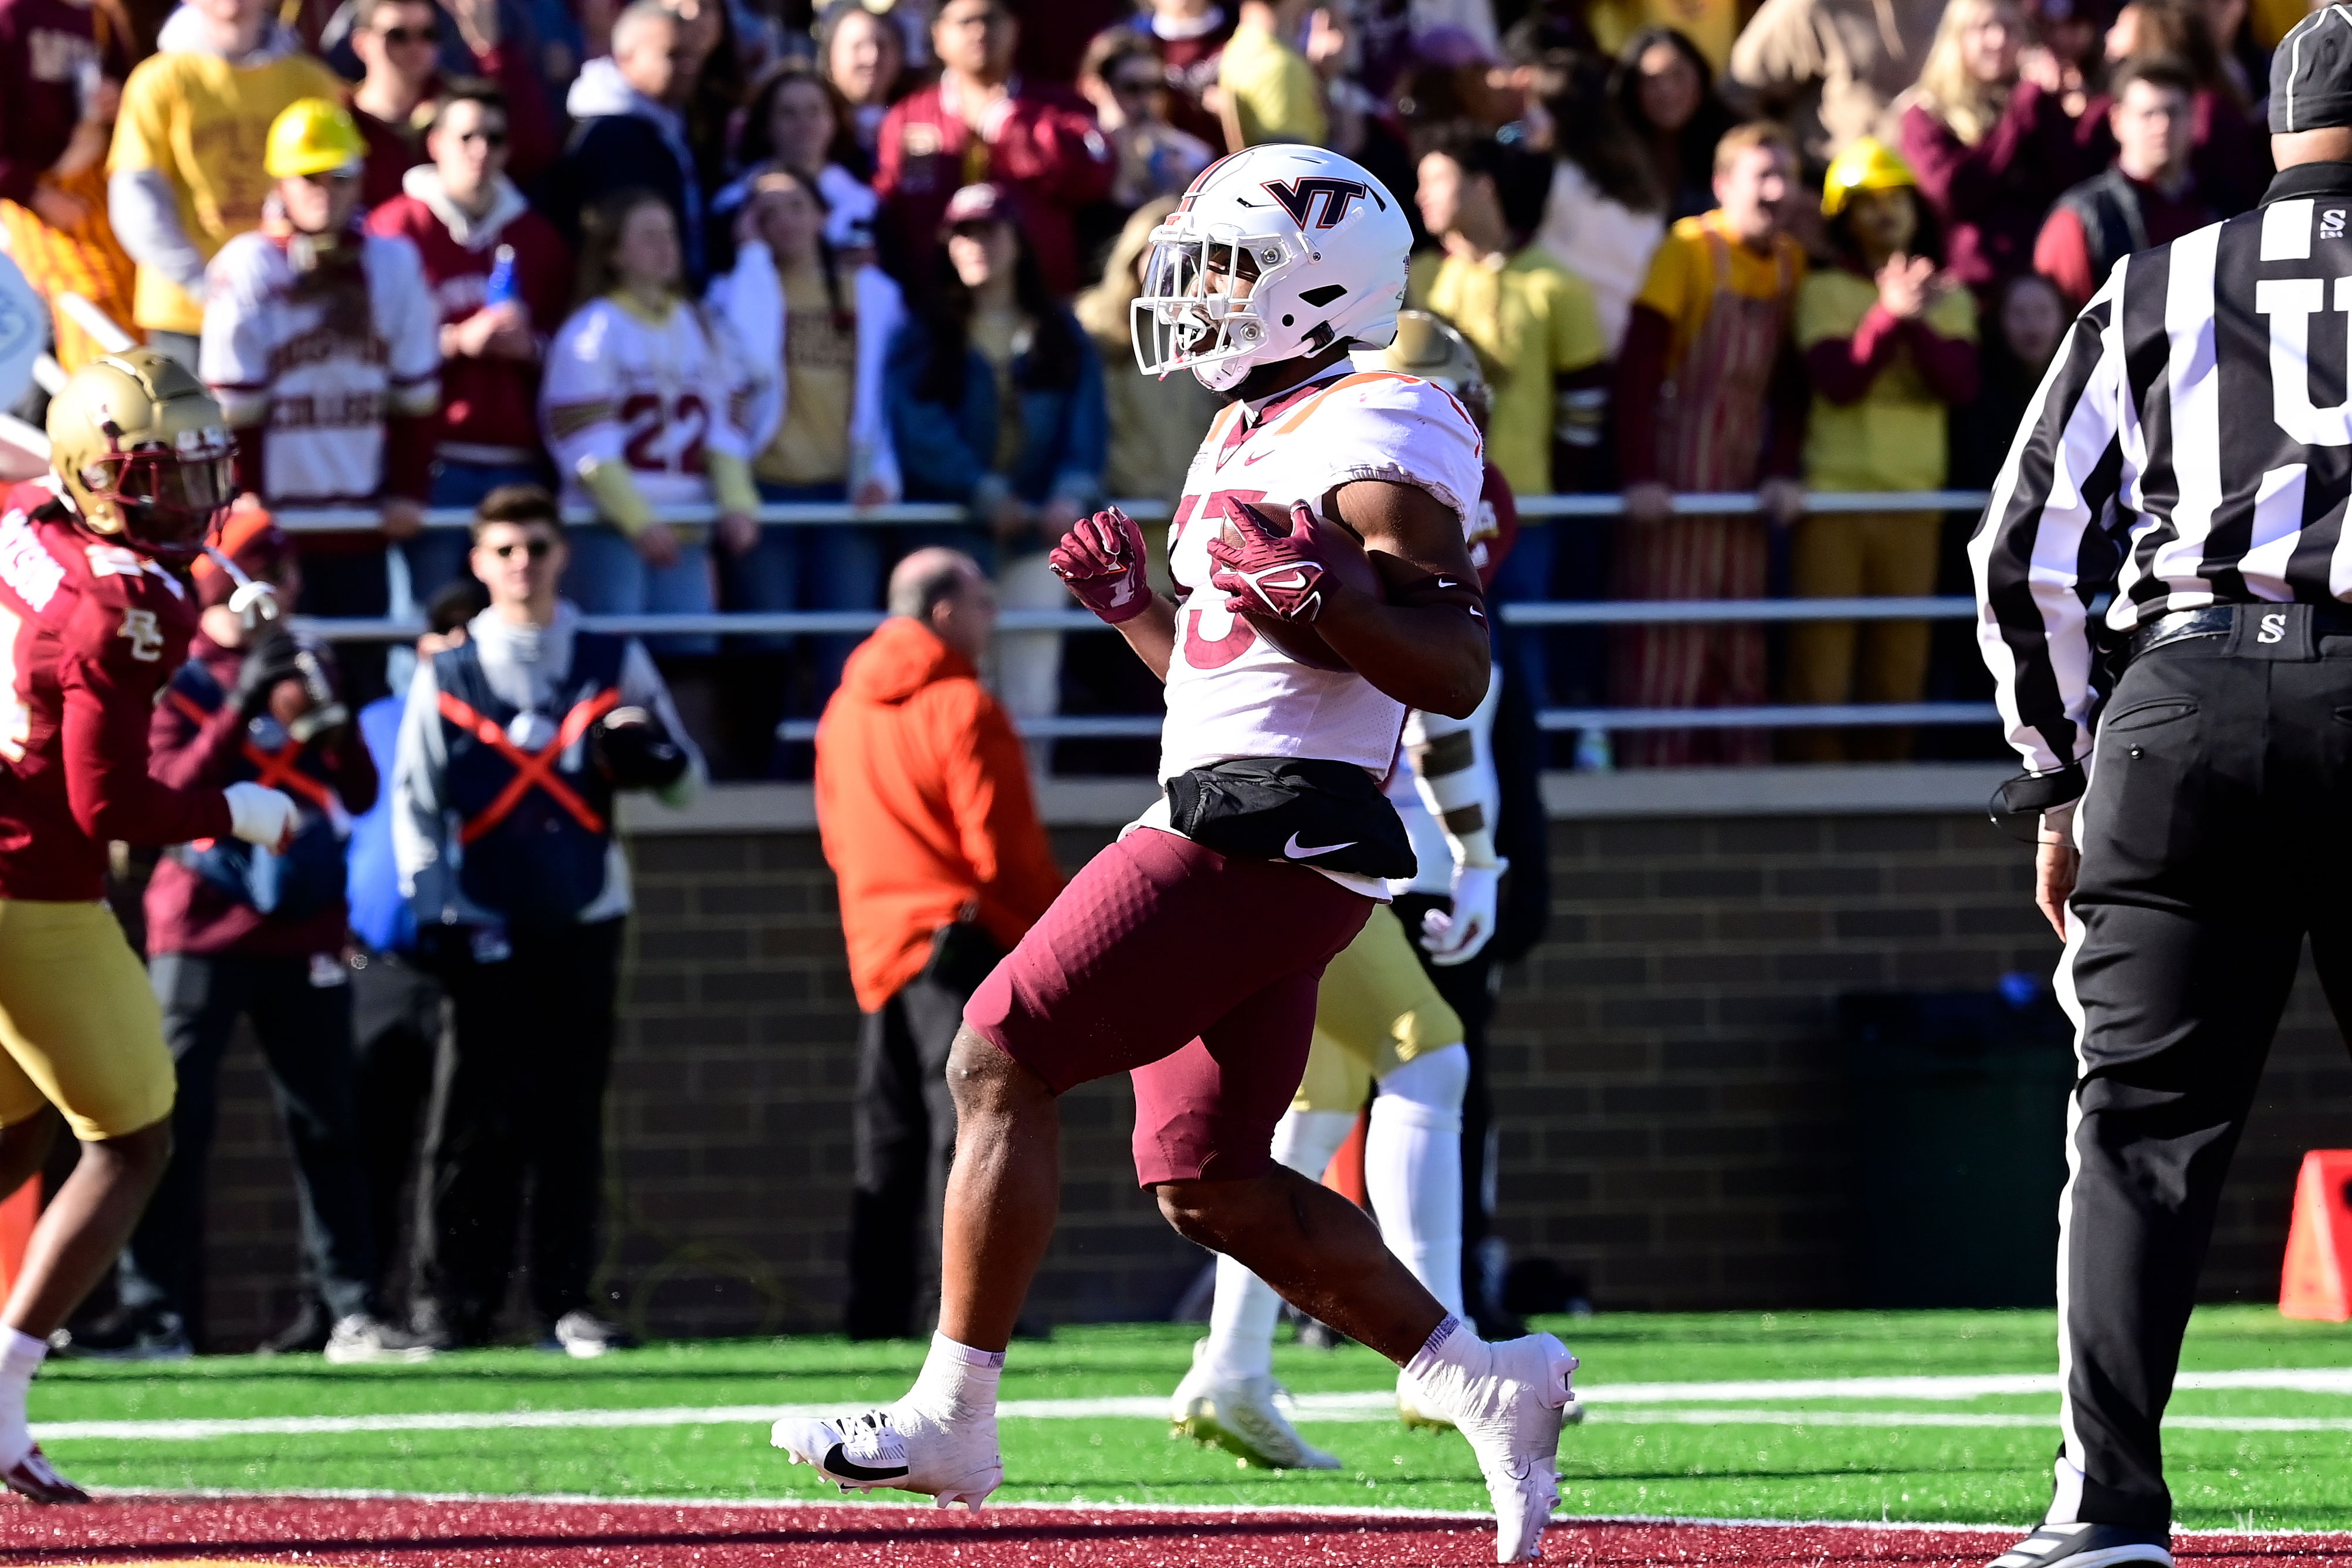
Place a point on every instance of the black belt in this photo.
(2220, 619)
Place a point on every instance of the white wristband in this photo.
(260, 815)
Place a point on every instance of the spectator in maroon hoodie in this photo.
(1991, 150)
(980, 123)
(399, 43)
(2229, 157)
(2146, 197)
(462, 213)
(234, 932)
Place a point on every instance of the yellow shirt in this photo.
(1530, 320)
(1892, 436)
(811, 446)
(201, 122)
(1711, 25)
(1682, 282)
(1273, 90)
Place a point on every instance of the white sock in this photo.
(20, 1357)
(1241, 1318)
(957, 1380)
(1413, 1168)
(1452, 1344)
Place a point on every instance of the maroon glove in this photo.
(1272, 570)
(1101, 558)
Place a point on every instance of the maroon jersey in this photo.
(489, 407)
(91, 632)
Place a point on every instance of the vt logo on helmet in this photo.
(1277, 251)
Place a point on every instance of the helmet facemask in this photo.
(165, 500)
(1199, 308)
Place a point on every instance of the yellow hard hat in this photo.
(1868, 164)
(313, 136)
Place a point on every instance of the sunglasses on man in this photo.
(536, 549)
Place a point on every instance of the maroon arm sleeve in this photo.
(108, 787)
(1641, 371)
(1949, 365)
(408, 454)
(356, 779)
(184, 755)
(1844, 368)
(20, 170)
(2061, 253)
(246, 464)
(1791, 399)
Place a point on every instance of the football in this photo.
(1299, 639)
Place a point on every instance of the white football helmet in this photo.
(1276, 251)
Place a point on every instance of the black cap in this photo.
(2311, 73)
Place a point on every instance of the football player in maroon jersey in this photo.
(94, 618)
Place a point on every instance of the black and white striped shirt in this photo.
(2190, 446)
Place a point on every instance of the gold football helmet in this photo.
(1429, 347)
(144, 452)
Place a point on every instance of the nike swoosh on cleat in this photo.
(1299, 851)
(835, 1464)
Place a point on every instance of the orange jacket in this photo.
(923, 803)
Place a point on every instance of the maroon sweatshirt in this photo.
(489, 407)
(46, 47)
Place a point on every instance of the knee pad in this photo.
(1428, 1089)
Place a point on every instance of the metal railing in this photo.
(1553, 613)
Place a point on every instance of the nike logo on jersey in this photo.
(1298, 851)
(835, 1464)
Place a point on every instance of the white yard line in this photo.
(1611, 1401)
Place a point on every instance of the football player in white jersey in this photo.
(1380, 1018)
(1323, 589)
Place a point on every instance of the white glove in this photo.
(260, 815)
(1457, 938)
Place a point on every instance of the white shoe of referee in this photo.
(1510, 1400)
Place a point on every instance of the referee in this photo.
(2183, 473)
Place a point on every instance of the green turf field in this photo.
(2254, 1457)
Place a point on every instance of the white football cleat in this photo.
(1241, 1418)
(1512, 1416)
(905, 1448)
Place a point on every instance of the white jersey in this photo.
(621, 389)
(1231, 692)
(316, 367)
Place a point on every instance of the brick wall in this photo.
(1676, 1107)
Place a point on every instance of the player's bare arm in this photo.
(1425, 642)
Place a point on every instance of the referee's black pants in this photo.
(2215, 837)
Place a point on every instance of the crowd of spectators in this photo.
(716, 253)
